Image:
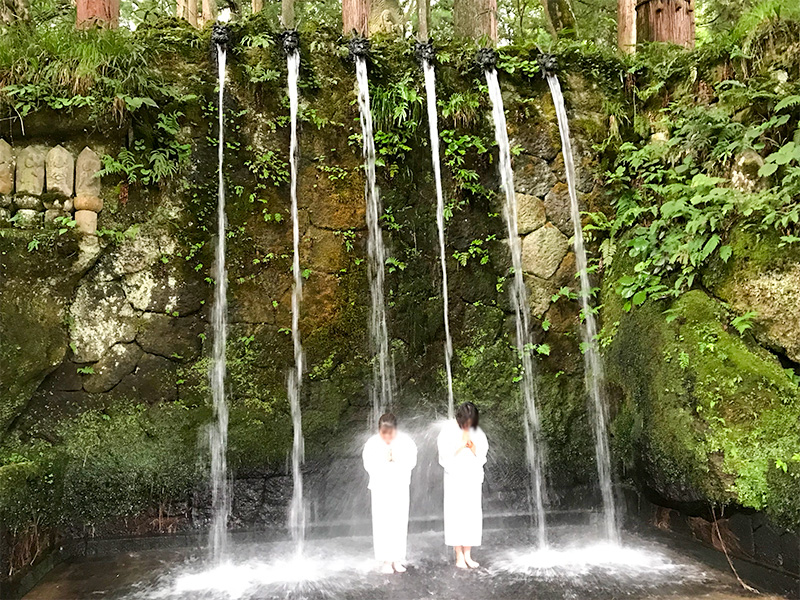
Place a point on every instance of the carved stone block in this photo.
(86, 221)
(6, 168)
(28, 219)
(87, 183)
(60, 171)
(30, 170)
(88, 203)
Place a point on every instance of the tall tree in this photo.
(626, 25)
(475, 19)
(423, 20)
(559, 14)
(209, 12)
(187, 9)
(91, 13)
(666, 21)
(355, 17)
(287, 14)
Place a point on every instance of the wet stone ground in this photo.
(575, 567)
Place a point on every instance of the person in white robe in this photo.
(463, 448)
(389, 457)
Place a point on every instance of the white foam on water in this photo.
(235, 580)
(604, 557)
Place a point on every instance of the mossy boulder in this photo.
(706, 415)
(763, 278)
(36, 284)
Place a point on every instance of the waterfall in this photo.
(382, 379)
(297, 514)
(519, 299)
(593, 366)
(433, 126)
(218, 432)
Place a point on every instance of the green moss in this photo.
(705, 411)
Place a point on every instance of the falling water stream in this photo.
(297, 513)
(218, 432)
(382, 378)
(595, 378)
(433, 126)
(519, 299)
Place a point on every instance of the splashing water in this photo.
(297, 513)
(382, 378)
(519, 299)
(218, 432)
(595, 377)
(433, 126)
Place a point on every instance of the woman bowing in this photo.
(462, 452)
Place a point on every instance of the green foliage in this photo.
(675, 204)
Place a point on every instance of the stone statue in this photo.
(87, 183)
(30, 170)
(60, 171)
(385, 17)
(6, 168)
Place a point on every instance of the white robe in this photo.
(463, 483)
(389, 467)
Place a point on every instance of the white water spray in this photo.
(519, 299)
(593, 366)
(433, 127)
(218, 432)
(297, 513)
(382, 377)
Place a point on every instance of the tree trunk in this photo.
(423, 20)
(559, 14)
(626, 25)
(91, 13)
(355, 17)
(665, 21)
(257, 5)
(187, 9)
(287, 14)
(209, 10)
(475, 19)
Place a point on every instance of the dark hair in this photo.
(467, 413)
(387, 420)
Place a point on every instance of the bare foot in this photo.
(387, 569)
(461, 564)
(471, 563)
(399, 568)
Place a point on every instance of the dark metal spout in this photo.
(486, 58)
(548, 63)
(290, 40)
(359, 46)
(220, 35)
(425, 52)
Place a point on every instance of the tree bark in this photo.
(287, 14)
(209, 10)
(665, 21)
(91, 13)
(626, 25)
(559, 14)
(187, 9)
(257, 5)
(475, 19)
(423, 20)
(355, 17)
